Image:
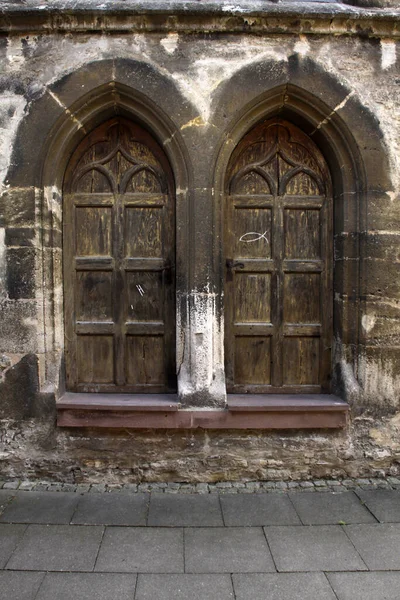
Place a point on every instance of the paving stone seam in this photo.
(98, 549)
(330, 585)
(344, 527)
(269, 548)
(365, 505)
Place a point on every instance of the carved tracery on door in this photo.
(278, 248)
(119, 263)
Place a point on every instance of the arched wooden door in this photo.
(278, 249)
(119, 263)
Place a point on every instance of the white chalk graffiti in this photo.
(140, 289)
(253, 236)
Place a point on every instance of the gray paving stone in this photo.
(18, 585)
(330, 508)
(227, 550)
(202, 488)
(111, 509)
(81, 488)
(41, 507)
(27, 486)
(11, 485)
(282, 586)
(10, 536)
(384, 504)
(130, 487)
(87, 586)
(182, 587)
(258, 509)
(98, 488)
(366, 586)
(5, 497)
(379, 545)
(57, 548)
(141, 549)
(184, 510)
(315, 548)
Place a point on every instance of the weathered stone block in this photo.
(18, 327)
(380, 278)
(20, 236)
(17, 207)
(18, 389)
(21, 273)
(381, 246)
(383, 212)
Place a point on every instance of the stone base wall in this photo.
(36, 450)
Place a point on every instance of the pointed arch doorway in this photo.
(278, 250)
(119, 263)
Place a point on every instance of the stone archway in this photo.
(357, 170)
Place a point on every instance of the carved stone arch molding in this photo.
(351, 143)
(54, 127)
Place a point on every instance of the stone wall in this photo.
(200, 78)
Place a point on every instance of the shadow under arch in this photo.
(46, 138)
(357, 166)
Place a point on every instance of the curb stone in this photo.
(222, 487)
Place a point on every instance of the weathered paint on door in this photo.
(119, 263)
(278, 250)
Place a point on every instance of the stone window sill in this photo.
(163, 411)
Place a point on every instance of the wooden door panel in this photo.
(302, 185)
(252, 183)
(143, 232)
(119, 258)
(301, 361)
(145, 296)
(301, 298)
(94, 296)
(93, 231)
(302, 233)
(252, 232)
(252, 360)
(278, 302)
(145, 363)
(95, 359)
(252, 298)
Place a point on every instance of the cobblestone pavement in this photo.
(228, 487)
(229, 540)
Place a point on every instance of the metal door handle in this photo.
(231, 264)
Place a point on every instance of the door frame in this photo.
(341, 154)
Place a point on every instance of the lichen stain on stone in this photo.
(197, 122)
(388, 54)
(170, 42)
(302, 46)
(12, 107)
(3, 290)
(381, 381)
(368, 322)
(388, 434)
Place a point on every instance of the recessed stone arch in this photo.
(352, 143)
(54, 126)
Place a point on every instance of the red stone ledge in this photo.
(163, 412)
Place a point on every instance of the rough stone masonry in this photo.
(200, 74)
